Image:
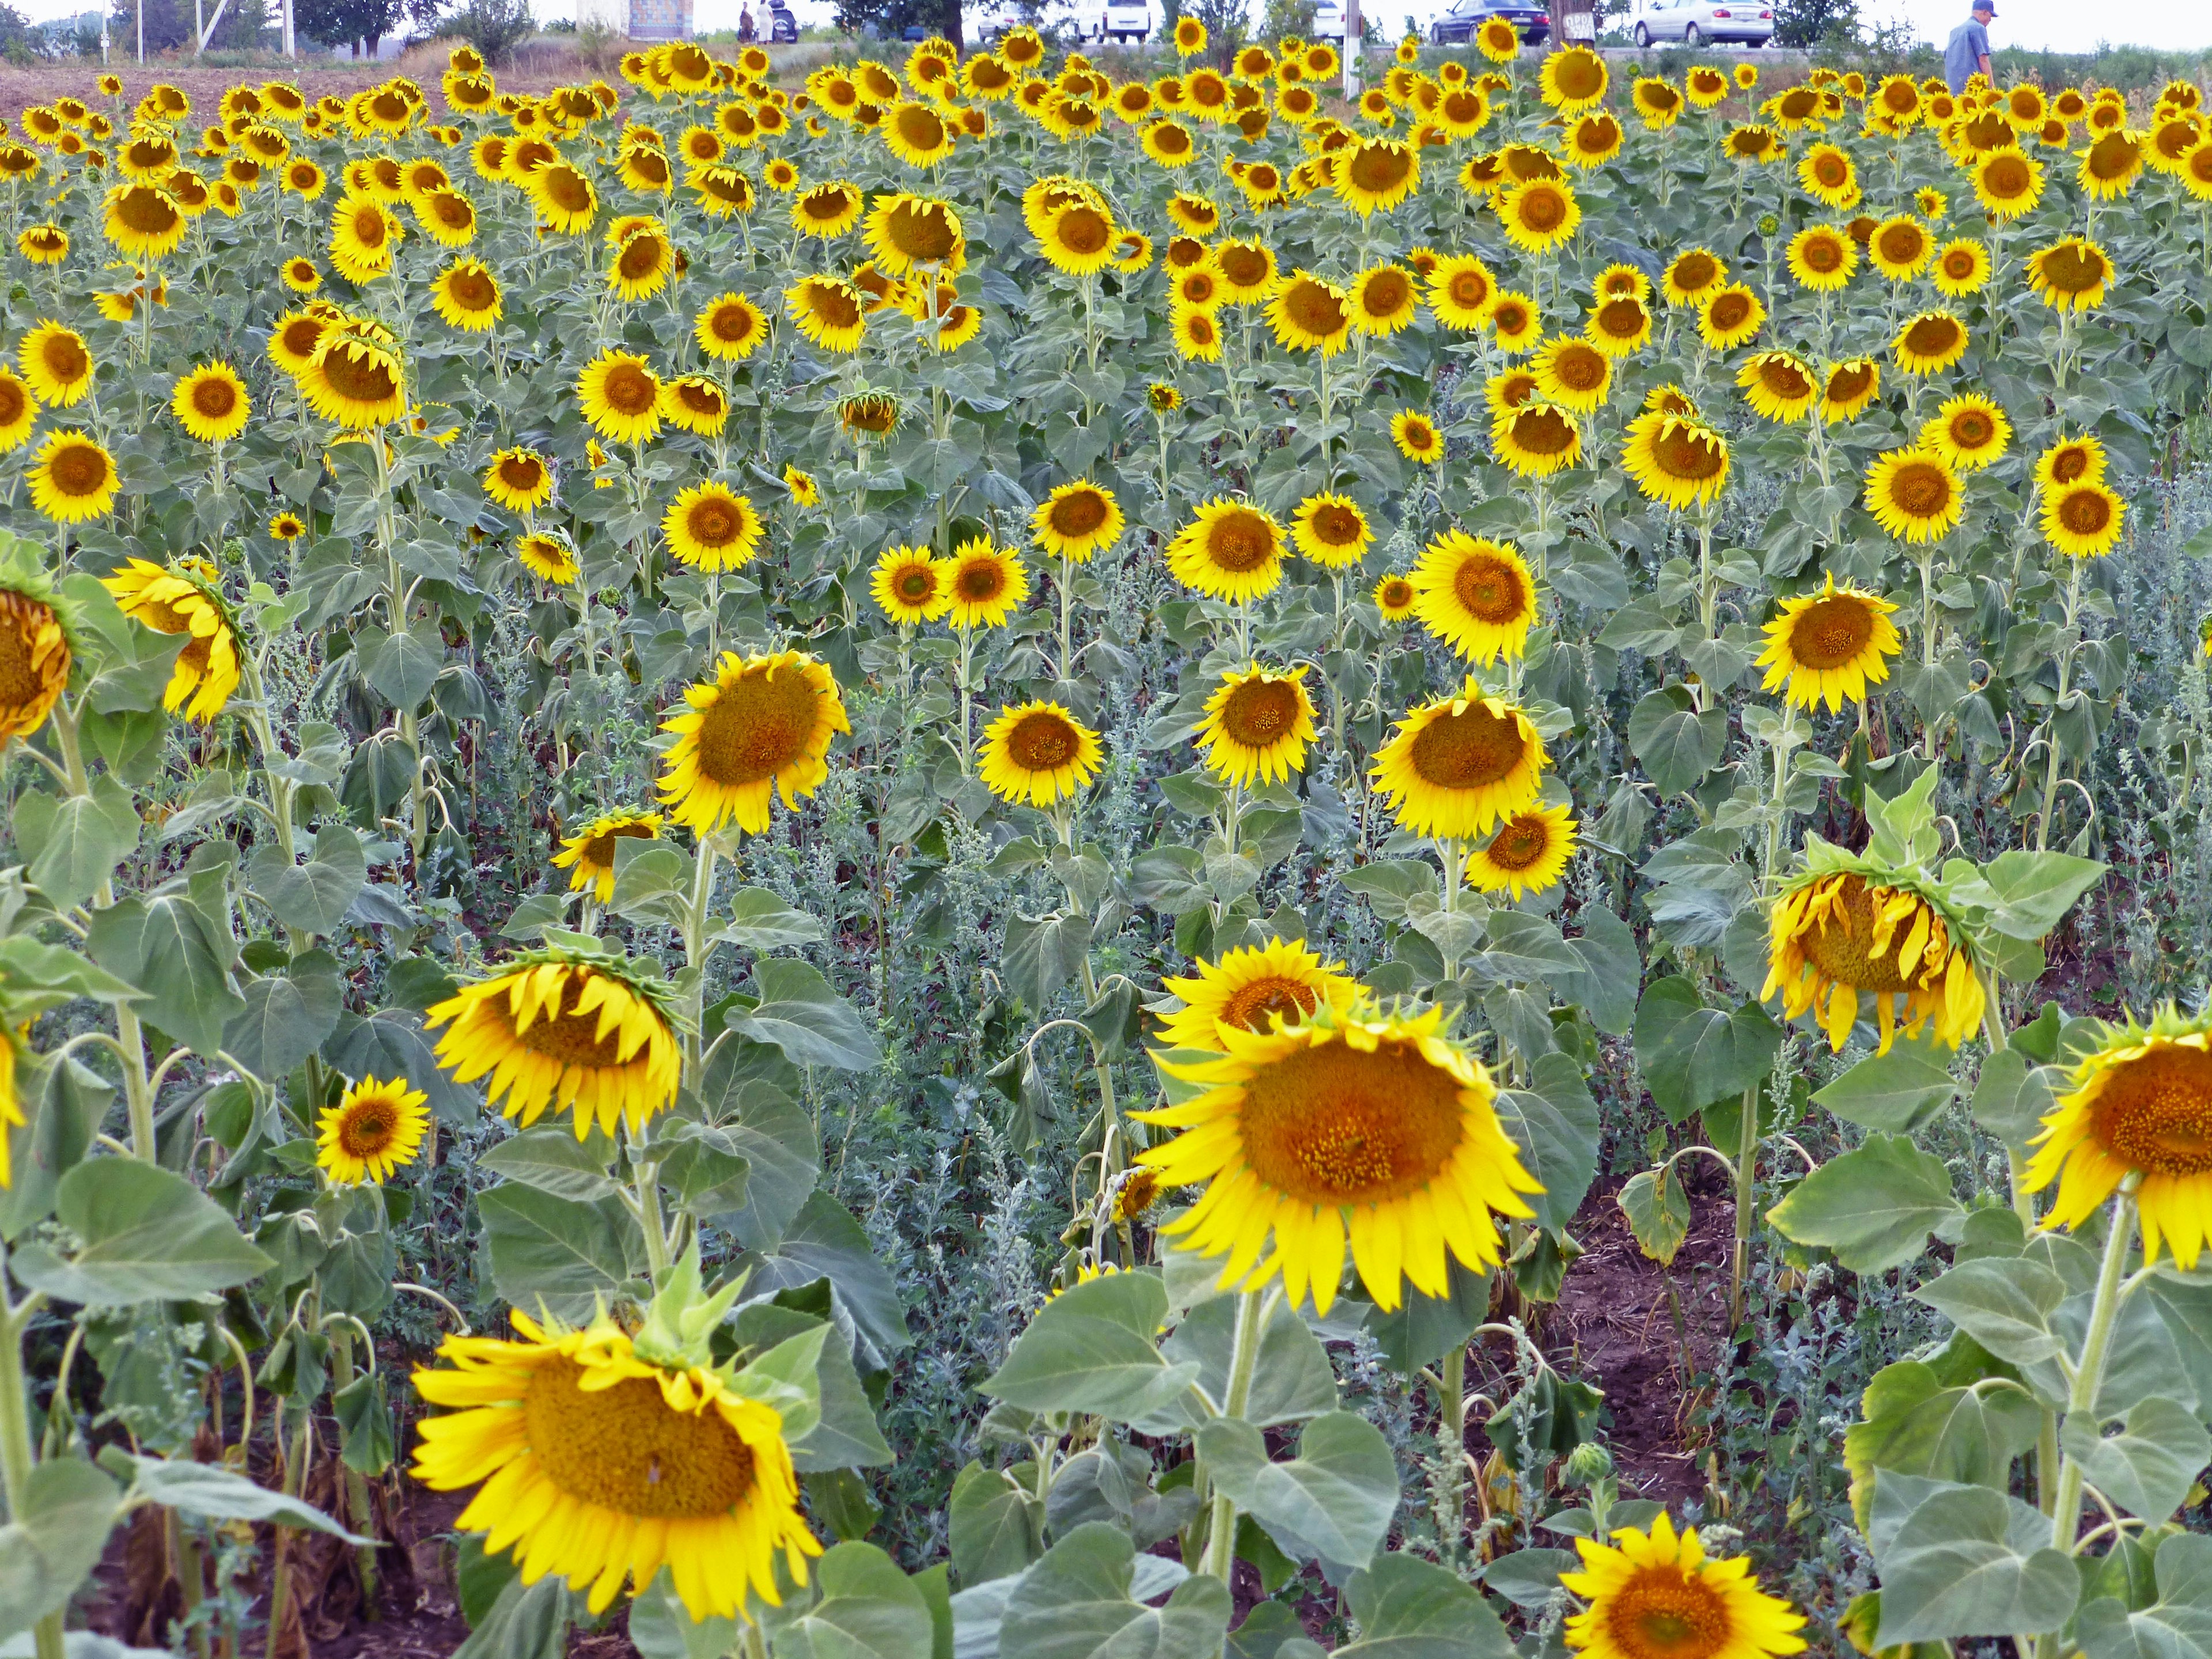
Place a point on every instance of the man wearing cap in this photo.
(1968, 48)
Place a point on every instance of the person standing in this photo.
(1968, 48)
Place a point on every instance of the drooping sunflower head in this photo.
(143, 221)
(183, 599)
(1929, 343)
(1257, 727)
(373, 1129)
(2084, 520)
(1676, 459)
(1848, 388)
(548, 554)
(1476, 595)
(1039, 753)
(1453, 767)
(2070, 274)
(1655, 1595)
(1231, 549)
(2140, 1114)
(1779, 385)
(1362, 1126)
(761, 727)
(908, 232)
(828, 310)
(1829, 646)
(1844, 929)
(588, 855)
(696, 403)
(1256, 988)
(1528, 855)
(1538, 439)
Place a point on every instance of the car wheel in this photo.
(1642, 36)
(1692, 36)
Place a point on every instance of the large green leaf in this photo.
(2178, 1625)
(2147, 1467)
(554, 1161)
(1960, 1561)
(1409, 1608)
(51, 1547)
(171, 951)
(1095, 1349)
(570, 1256)
(1334, 1501)
(1894, 1092)
(1076, 1604)
(800, 1014)
(776, 1137)
(824, 1242)
(403, 667)
(2035, 890)
(314, 896)
(996, 1525)
(759, 920)
(1658, 1213)
(1554, 1122)
(1692, 1056)
(868, 1609)
(2004, 1304)
(287, 1016)
(1911, 1422)
(1874, 1207)
(144, 1234)
(391, 1044)
(1678, 743)
(1291, 1378)
(73, 844)
(214, 1493)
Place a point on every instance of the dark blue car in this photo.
(1464, 17)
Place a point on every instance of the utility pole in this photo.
(1351, 50)
(291, 44)
(142, 32)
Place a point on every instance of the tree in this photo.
(890, 19)
(345, 22)
(1804, 23)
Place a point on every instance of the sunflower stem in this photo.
(2103, 1311)
(358, 1511)
(17, 1458)
(1449, 1497)
(2065, 671)
(1221, 1534)
(1746, 1171)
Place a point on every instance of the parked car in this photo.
(1694, 22)
(1067, 22)
(1461, 18)
(1128, 20)
(1328, 22)
(782, 26)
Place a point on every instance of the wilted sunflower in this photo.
(1573, 373)
(1929, 343)
(1692, 275)
(1848, 388)
(1729, 316)
(2141, 1107)
(2070, 274)
(1828, 647)
(57, 363)
(1676, 460)
(1077, 521)
(1257, 727)
(1331, 531)
(1822, 258)
(1039, 753)
(1230, 550)
(1779, 385)
(2008, 184)
(72, 478)
(761, 727)
(1539, 214)
(731, 327)
(711, 527)
(589, 854)
(1843, 930)
(2070, 460)
(1538, 439)
(1968, 431)
(549, 555)
(1914, 495)
(1359, 1125)
(1476, 595)
(2084, 520)
(1251, 988)
(373, 1129)
(183, 599)
(1752, 145)
(828, 310)
(1655, 1596)
(621, 397)
(209, 403)
(1455, 766)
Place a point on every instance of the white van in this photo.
(1069, 21)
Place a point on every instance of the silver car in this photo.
(1694, 22)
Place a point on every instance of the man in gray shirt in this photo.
(1968, 48)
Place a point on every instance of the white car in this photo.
(1328, 22)
(1129, 21)
(1694, 22)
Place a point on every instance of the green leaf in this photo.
(788, 1377)
(1390, 884)
(526, 1622)
(702, 1168)
(997, 1526)
(390, 1043)
(213, 1493)
(67, 1104)
(2178, 1625)
(2003, 1303)
(652, 881)
(776, 1139)
(1614, 969)
(1095, 1349)
(800, 1014)
(1874, 1207)
(1952, 1563)
(286, 1017)
(1677, 744)
(868, 1609)
(660, 1628)
(1043, 953)
(79, 842)
(1075, 1604)
(145, 1235)
(2036, 889)
(364, 1419)
(846, 1437)
(1530, 1578)
(1291, 1378)
(1334, 1501)
(402, 667)
(51, 1547)
(570, 1255)
(313, 897)
(1409, 1608)
(759, 920)
(1901, 829)
(824, 1243)
(1894, 1092)
(174, 954)
(2149, 1466)
(2012, 1098)
(1554, 1122)
(1422, 1329)
(1658, 1213)
(555, 1161)
(1692, 1056)
(35, 978)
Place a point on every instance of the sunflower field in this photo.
(893, 862)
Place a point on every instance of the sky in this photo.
(2054, 25)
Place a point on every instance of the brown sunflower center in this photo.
(1082, 231)
(631, 390)
(1932, 337)
(215, 398)
(1663, 1612)
(1314, 309)
(569, 1037)
(701, 397)
(1333, 1125)
(2155, 1114)
(1490, 589)
(2069, 463)
(1688, 452)
(1901, 244)
(1079, 513)
(1334, 525)
(1846, 384)
(472, 289)
(1831, 170)
(1580, 367)
(1042, 741)
(922, 234)
(716, 521)
(978, 581)
(598, 853)
(1841, 946)
(1620, 318)
(1376, 169)
(1973, 428)
(368, 1127)
(1469, 289)
(1196, 287)
(2006, 177)
(1730, 311)
(64, 357)
(625, 1449)
(832, 305)
(1823, 254)
(15, 402)
(1543, 431)
(1239, 540)
(1470, 749)
(1249, 1005)
(1244, 265)
(1397, 593)
(1260, 714)
(1921, 489)
(2085, 512)
(146, 211)
(1387, 292)
(521, 473)
(732, 324)
(1831, 631)
(757, 727)
(1522, 843)
(827, 205)
(1419, 435)
(2073, 268)
(1958, 264)
(916, 583)
(1540, 209)
(1784, 380)
(1170, 139)
(641, 256)
(1579, 75)
(21, 681)
(79, 470)
(2113, 156)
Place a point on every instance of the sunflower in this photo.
(1692, 275)
(1255, 988)
(1528, 855)
(1705, 86)
(1079, 239)
(1828, 177)
(906, 232)
(803, 490)
(35, 658)
(364, 238)
(1077, 521)
(210, 403)
(1837, 934)
(73, 478)
(643, 262)
(1416, 436)
(1730, 316)
(621, 397)
(43, 245)
(2140, 1110)
(181, 599)
(1960, 267)
(1830, 646)
(1375, 174)
(731, 327)
(2070, 460)
(1455, 766)
(2111, 166)
(58, 364)
(1929, 343)
(373, 1129)
(911, 585)
(1476, 595)
(983, 585)
(143, 221)
(695, 403)
(1394, 598)
(1309, 314)
(1657, 102)
(1539, 214)
(1848, 388)
(1361, 1125)
(1752, 145)
(1900, 247)
(1573, 373)
(1248, 271)
(1538, 439)
(1915, 494)
(548, 555)
(1573, 80)
(1257, 727)
(1969, 431)
(2195, 169)
(1619, 326)
(1779, 385)
(2070, 274)
(1822, 258)
(1040, 753)
(761, 726)
(589, 854)
(1655, 1595)
(287, 527)
(1384, 300)
(828, 310)
(466, 296)
(1461, 291)
(1230, 550)
(2008, 183)
(1675, 460)
(1197, 334)
(712, 528)
(1497, 39)
(2083, 520)
(1331, 530)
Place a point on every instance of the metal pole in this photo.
(1351, 49)
(291, 43)
(142, 31)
